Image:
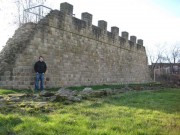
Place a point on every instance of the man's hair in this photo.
(40, 57)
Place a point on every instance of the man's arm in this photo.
(45, 67)
(35, 67)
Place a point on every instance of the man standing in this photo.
(40, 68)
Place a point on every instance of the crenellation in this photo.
(125, 35)
(133, 39)
(86, 20)
(66, 8)
(76, 52)
(115, 31)
(115, 34)
(140, 42)
(87, 17)
(102, 25)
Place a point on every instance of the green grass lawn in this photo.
(131, 113)
(4, 92)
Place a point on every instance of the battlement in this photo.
(76, 53)
(101, 29)
(64, 19)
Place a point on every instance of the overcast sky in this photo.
(157, 22)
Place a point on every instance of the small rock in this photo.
(79, 96)
(98, 93)
(53, 99)
(14, 99)
(86, 91)
(58, 98)
(108, 91)
(41, 104)
(2, 105)
(125, 89)
(74, 99)
(46, 94)
(2, 100)
(117, 91)
(17, 95)
(66, 92)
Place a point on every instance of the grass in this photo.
(80, 88)
(13, 91)
(132, 113)
(116, 86)
(5, 92)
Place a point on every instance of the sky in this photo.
(157, 22)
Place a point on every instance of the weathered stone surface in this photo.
(14, 99)
(126, 88)
(76, 53)
(2, 105)
(41, 104)
(74, 99)
(2, 100)
(46, 93)
(54, 98)
(87, 91)
(99, 93)
(106, 91)
(66, 92)
(17, 95)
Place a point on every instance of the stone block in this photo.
(103, 25)
(87, 17)
(66, 8)
(125, 35)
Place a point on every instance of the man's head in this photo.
(40, 58)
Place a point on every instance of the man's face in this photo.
(41, 59)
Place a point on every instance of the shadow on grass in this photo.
(167, 101)
(10, 122)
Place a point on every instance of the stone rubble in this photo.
(41, 102)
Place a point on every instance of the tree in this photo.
(23, 5)
(173, 57)
(164, 67)
(157, 57)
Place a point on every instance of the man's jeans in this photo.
(39, 77)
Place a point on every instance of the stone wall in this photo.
(76, 53)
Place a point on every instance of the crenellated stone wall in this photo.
(76, 53)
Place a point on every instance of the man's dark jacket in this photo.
(40, 67)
